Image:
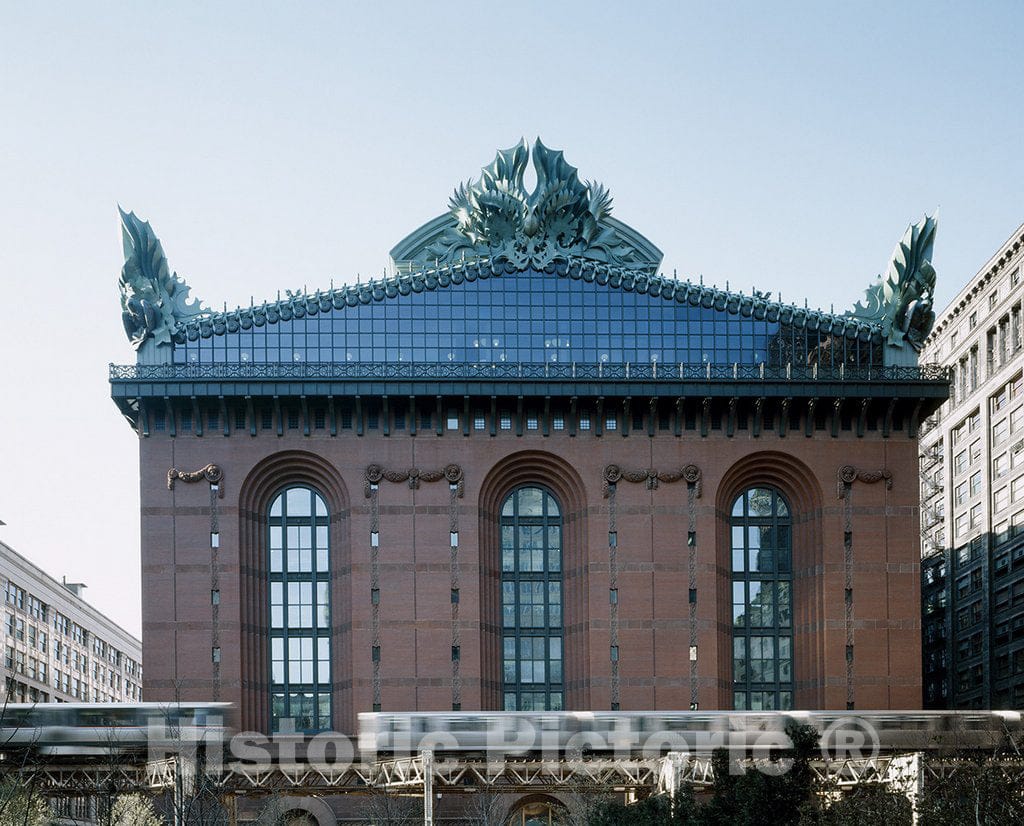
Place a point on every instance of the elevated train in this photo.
(650, 734)
(83, 728)
(97, 728)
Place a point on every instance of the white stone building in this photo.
(57, 647)
(972, 494)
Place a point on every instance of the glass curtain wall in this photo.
(530, 318)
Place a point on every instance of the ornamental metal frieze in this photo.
(848, 474)
(497, 217)
(651, 477)
(154, 300)
(452, 473)
(214, 474)
(901, 301)
(545, 371)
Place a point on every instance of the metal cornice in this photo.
(299, 305)
(980, 282)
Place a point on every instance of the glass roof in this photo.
(526, 317)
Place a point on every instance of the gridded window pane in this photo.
(531, 548)
(784, 547)
(525, 317)
(762, 600)
(739, 659)
(277, 660)
(508, 548)
(531, 502)
(761, 604)
(508, 604)
(531, 605)
(555, 604)
(299, 501)
(759, 502)
(300, 604)
(531, 595)
(555, 658)
(276, 605)
(302, 711)
(322, 544)
(739, 603)
(323, 604)
(554, 548)
(323, 648)
(785, 607)
(299, 590)
(276, 545)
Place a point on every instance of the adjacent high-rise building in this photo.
(59, 648)
(972, 494)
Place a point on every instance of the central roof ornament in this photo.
(496, 217)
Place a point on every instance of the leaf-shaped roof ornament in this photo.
(153, 299)
(901, 301)
(496, 217)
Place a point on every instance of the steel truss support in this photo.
(427, 775)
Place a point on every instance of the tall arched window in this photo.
(762, 599)
(300, 611)
(531, 600)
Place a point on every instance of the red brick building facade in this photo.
(524, 371)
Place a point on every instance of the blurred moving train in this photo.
(100, 727)
(84, 728)
(650, 734)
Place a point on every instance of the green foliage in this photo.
(868, 805)
(134, 810)
(20, 805)
(783, 793)
(978, 792)
(652, 811)
(779, 794)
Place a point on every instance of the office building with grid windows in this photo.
(972, 493)
(525, 471)
(57, 647)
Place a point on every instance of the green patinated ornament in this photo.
(153, 299)
(497, 217)
(901, 301)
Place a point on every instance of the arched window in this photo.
(762, 600)
(536, 814)
(531, 600)
(300, 611)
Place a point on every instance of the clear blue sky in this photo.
(778, 145)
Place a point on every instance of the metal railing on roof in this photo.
(532, 371)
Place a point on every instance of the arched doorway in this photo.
(539, 813)
(297, 817)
